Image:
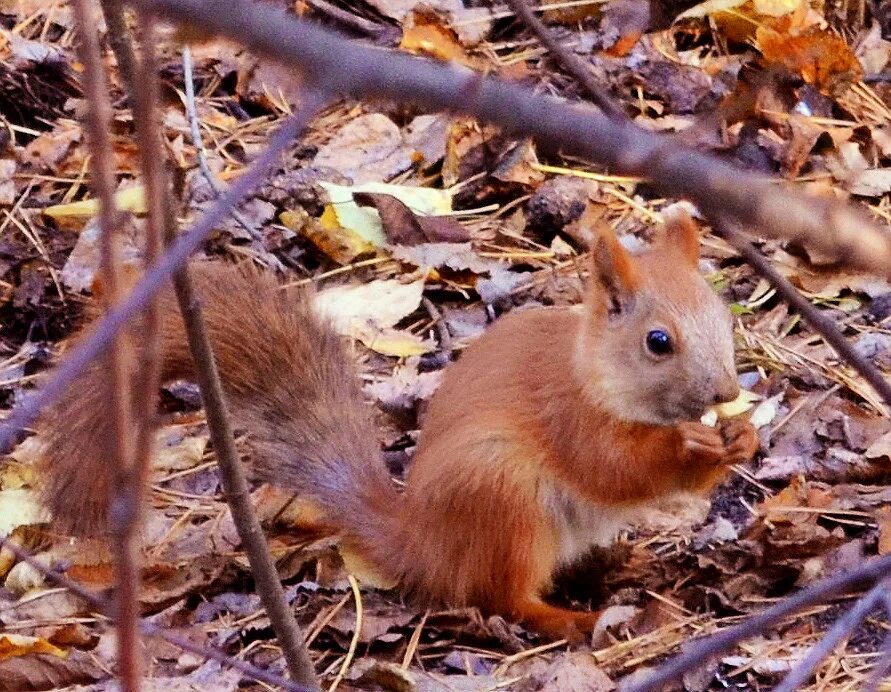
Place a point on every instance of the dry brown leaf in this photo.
(369, 148)
(883, 517)
(427, 35)
(47, 150)
(41, 671)
(821, 58)
(335, 241)
(400, 9)
(458, 257)
(572, 672)
(404, 227)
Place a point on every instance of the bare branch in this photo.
(235, 484)
(716, 644)
(110, 324)
(119, 358)
(880, 668)
(716, 187)
(573, 64)
(840, 630)
(149, 629)
(816, 319)
(119, 39)
(201, 153)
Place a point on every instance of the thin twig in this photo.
(357, 634)
(570, 61)
(712, 646)
(881, 668)
(715, 186)
(118, 36)
(352, 21)
(143, 89)
(235, 484)
(149, 629)
(201, 152)
(118, 385)
(840, 630)
(824, 326)
(143, 100)
(445, 338)
(110, 324)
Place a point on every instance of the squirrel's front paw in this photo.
(740, 441)
(701, 444)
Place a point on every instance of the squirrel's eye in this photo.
(659, 343)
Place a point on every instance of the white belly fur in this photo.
(580, 524)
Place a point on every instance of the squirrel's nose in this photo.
(726, 390)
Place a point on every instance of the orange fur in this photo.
(543, 438)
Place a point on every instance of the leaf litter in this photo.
(417, 231)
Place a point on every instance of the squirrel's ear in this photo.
(682, 233)
(614, 270)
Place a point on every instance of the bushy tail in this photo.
(289, 384)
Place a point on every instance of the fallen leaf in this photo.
(364, 311)
(822, 58)
(79, 272)
(26, 52)
(427, 35)
(130, 199)
(340, 244)
(368, 149)
(573, 672)
(880, 448)
(177, 449)
(455, 256)
(400, 9)
(25, 577)
(392, 342)
(872, 50)
(401, 225)
(20, 645)
(20, 507)
(366, 221)
(47, 150)
(41, 671)
(371, 673)
(739, 19)
(883, 517)
(405, 387)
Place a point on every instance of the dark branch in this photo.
(351, 68)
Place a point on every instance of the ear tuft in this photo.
(682, 233)
(615, 270)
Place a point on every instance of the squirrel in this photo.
(543, 438)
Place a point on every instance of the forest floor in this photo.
(786, 88)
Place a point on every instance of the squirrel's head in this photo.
(656, 343)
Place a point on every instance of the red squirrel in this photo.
(543, 436)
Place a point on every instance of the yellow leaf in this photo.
(20, 507)
(365, 221)
(131, 199)
(376, 304)
(776, 8)
(710, 7)
(433, 40)
(338, 243)
(12, 645)
(391, 342)
(739, 19)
